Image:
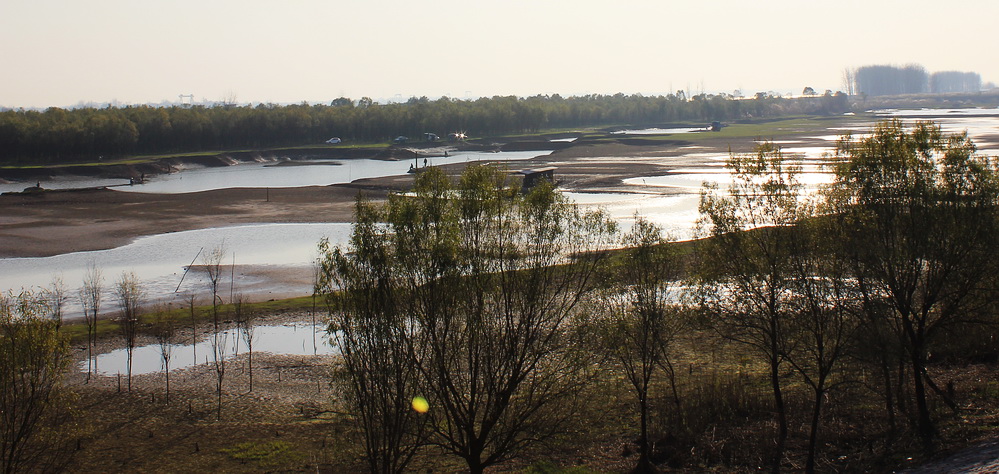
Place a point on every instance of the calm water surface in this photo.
(266, 175)
(273, 174)
(160, 260)
(289, 339)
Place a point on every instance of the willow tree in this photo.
(640, 319)
(917, 212)
(474, 286)
(749, 263)
(34, 402)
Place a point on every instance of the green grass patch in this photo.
(773, 128)
(269, 454)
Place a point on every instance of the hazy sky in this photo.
(62, 52)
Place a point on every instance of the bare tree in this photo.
(848, 81)
(90, 298)
(56, 294)
(219, 351)
(245, 323)
(212, 261)
(191, 299)
(34, 405)
(165, 331)
(213, 267)
(128, 290)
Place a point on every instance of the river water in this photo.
(160, 260)
(275, 174)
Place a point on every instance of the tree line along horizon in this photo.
(504, 311)
(55, 135)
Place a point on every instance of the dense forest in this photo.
(59, 136)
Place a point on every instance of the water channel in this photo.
(290, 339)
(275, 174)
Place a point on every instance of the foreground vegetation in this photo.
(482, 327)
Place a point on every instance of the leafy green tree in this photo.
(917, 215)
(34, 403)
(824, 307)
(376, 374)
(641, 318)
(477, 283)
(749, 279)
(84, 134)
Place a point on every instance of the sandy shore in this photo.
(56, 222)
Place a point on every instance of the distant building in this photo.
(535, 176)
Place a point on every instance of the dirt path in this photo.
(980, 458)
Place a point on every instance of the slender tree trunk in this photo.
(901, 395)
(218, 409)
(924, 424)
(129, 362)
(90, 352)
(781, 415)
(813, 434)
(644, 463)
(889, 397)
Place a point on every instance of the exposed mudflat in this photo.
(51, 222)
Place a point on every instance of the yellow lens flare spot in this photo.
(420, 404)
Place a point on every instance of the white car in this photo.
(333, 141)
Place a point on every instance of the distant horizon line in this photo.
(394, 99)
(399, 99)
